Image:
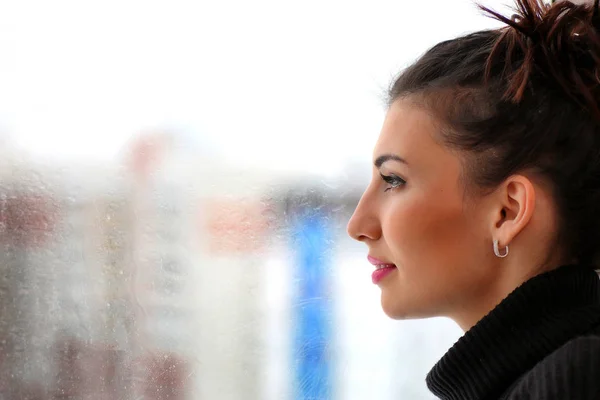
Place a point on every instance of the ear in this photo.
(514, 203)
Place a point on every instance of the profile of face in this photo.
(415, 214)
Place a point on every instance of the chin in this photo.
(398, 310)
(394, 310)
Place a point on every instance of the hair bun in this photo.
(558, 42)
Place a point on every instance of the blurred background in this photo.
(175, 183)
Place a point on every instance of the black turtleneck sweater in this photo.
(541, 342)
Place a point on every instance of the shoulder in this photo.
(572, 372)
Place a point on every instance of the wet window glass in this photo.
(175, 182)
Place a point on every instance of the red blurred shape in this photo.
(27, 220)
(88, 371)
(166, 376)
(147, 152)
(236, 226)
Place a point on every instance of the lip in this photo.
(376, 261)
(381, 273)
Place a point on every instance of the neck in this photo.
(504, 277)
(537, 318)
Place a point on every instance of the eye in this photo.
(394, 181)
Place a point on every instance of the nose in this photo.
(364, 224)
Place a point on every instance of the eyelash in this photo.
(393, 180)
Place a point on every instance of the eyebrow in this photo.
(386, 157)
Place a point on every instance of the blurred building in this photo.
(170, 274)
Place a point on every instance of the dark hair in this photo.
(524, 97)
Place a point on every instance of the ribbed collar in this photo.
(534, 320)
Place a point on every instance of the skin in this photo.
(439, 236)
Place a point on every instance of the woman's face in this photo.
(417, 217)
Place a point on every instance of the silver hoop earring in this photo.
(497, 252)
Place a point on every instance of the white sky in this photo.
(295, 85)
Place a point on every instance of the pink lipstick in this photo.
(382, 269)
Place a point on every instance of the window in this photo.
(175, 181)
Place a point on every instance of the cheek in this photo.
(432, 233)
(431, 242)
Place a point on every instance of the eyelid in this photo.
(385, 177)
(392, 179)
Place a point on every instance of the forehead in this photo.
(410, 132)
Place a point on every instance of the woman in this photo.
(491, 143)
